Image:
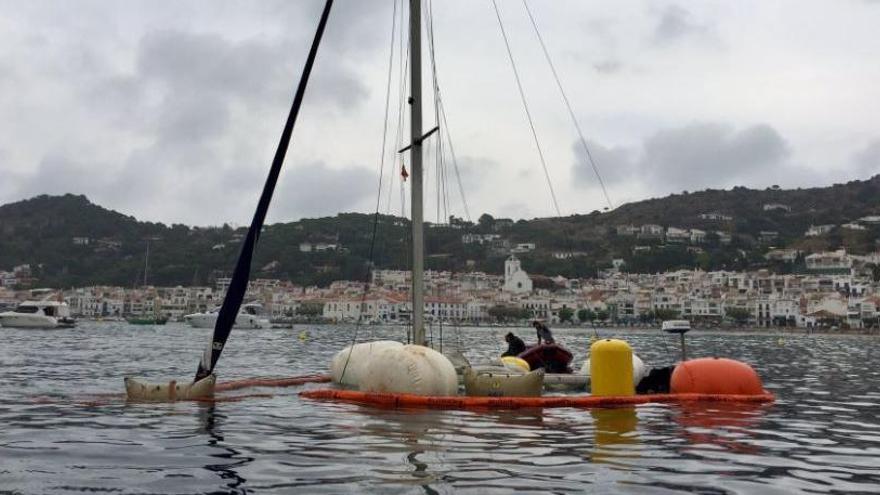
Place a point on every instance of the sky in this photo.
(171, 110)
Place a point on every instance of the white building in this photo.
(817, 230)
(515, 278)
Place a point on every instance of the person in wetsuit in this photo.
(543, 333)
(515, 345)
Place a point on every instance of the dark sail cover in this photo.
(238, 285)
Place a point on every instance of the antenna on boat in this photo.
(416, 138)
(680, 327)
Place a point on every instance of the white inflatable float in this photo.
(639, 369)
(347, 366)
(409, 369)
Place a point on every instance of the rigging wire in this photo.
(568, 105)
(439, 114)
(382, 154)
(440, 111)
(438, 145)
(522, 96)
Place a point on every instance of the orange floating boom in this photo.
(578, 401)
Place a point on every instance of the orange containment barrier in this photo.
(270, 382)
(576, 401)
(715, 376)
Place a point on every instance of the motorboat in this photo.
(251, 316)
(38, 314)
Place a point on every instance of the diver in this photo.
(515, 345)
(543, 333)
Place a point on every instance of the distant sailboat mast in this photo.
(418, 243)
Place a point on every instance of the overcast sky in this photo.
(171, 110)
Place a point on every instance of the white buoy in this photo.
(639, 369)
(353, 360)
(411, 369)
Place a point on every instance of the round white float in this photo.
(411, 369)
(357, 357)
(639, 369)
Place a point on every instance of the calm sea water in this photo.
(60, 434)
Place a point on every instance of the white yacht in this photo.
(38, 314)
(250, 316)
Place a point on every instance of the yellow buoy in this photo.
(515, 362)
(304, 335)
(611, 368)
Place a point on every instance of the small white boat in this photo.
(250, 317)
(38, 314)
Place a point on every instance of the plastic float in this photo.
(700, 380)
(639, 370)
(503, 383)
(514, 363)
(348, 365)
(409, 369)
(715, 376)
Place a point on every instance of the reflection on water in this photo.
(822, 435)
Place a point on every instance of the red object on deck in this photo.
(715, 376)
(577, 401)
(552, 357)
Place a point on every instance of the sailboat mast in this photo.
(418, 243)
(147, 263)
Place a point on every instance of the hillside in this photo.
(69, 241)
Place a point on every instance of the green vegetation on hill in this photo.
(68, 241)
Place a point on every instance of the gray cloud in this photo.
(676, 23)
(171, 110)
(692, 157)
(315, 189)
(58, 173)
(868, 159)
(615, 164)
(707, 154)
(608, 66)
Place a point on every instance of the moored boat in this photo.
(147, 320)
(250, 317)
(38, 314)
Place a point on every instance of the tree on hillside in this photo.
(586, 315)
(663, 314)
(503, 313)
(738, 314)
(486, 221)
(566, 314)
(310, 309)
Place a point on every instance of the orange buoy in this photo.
(715, 376)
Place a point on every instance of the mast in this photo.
(418, 243)
(147, 263)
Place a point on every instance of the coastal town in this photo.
(837, 291)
